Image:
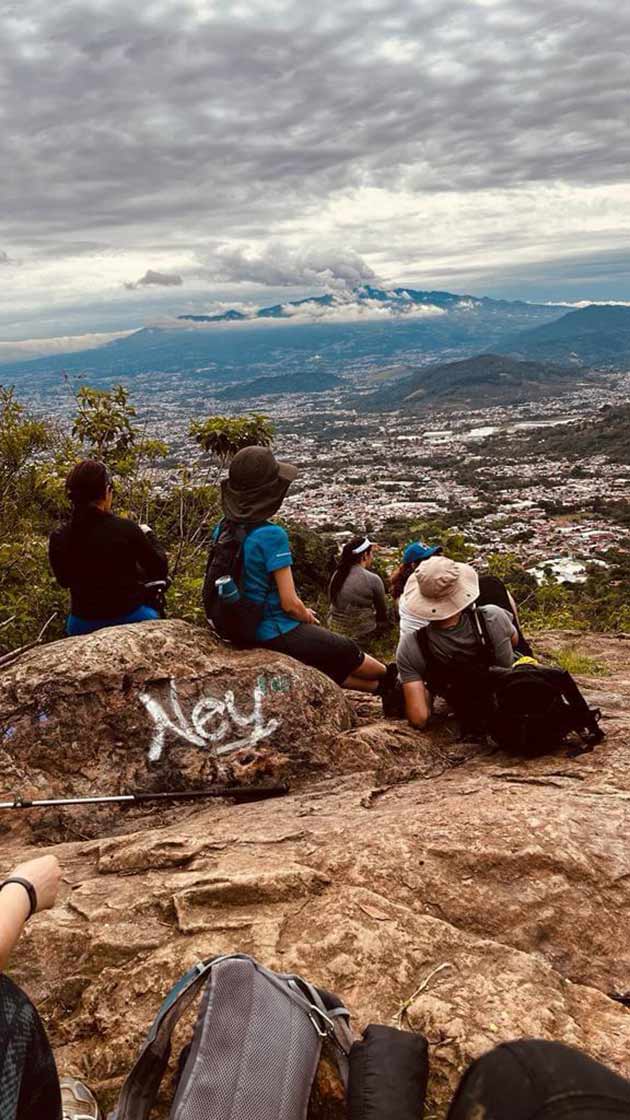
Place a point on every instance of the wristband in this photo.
(28, 887)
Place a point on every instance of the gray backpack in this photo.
(255, 1048)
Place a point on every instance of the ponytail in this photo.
(349, 557)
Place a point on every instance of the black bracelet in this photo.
(28, 887)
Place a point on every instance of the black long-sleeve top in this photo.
(104, 560)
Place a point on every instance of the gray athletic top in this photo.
(457, 639)
(362, 589)
(360, 605)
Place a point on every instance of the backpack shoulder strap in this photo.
(482, 634)
(140, 1089)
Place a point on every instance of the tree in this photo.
(223, 436)
(104, 424)
(23, 438)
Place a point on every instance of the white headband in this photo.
(363, 547)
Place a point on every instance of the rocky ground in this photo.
(446, 887)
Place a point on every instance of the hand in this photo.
(44, 873)
(312, 617)
(146, 529)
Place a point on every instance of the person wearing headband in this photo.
(103, 559)
(358, 607)
(253, 492)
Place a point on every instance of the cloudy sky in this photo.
(194, 154)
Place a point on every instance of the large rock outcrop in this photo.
(451, 888)
(161, 706)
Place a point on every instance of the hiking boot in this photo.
(387, 682)
(393, 702)
(77, 1102)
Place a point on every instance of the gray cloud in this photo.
(185, 122)
(278, 266)
(163, 115)
(4, 257)
(155, 279)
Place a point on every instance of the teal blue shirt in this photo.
(265, 550)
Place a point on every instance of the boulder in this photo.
(160, 706)
(448, 888)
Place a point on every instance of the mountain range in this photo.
(351, 334)
(369, 325)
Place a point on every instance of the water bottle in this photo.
(227, 590)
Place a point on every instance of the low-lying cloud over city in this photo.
(161, 159)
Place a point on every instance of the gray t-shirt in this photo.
(459, 639)
(362, 590)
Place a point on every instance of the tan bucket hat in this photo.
(440, 588)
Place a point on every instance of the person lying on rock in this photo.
(30, 1088)
(441, 658)
(358, 607)
(253, 492)
(105, 560)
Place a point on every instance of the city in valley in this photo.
(472, 469)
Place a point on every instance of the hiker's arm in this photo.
(44, 874)
(289, 599)
(150, 555)
(417, 703)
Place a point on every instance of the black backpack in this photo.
(536, 707)
(527, 709)
(235, 621)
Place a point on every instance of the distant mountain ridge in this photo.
(309, 382)
(493, 378)
(590, 336)
(402, 326)
(402, 300)
(285, 338)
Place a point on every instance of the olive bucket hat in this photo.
(256, 485)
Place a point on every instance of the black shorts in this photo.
(332, 654)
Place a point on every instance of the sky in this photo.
(185, 156)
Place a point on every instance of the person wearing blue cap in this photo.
(415, 554)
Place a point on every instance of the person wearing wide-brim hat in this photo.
(253, 492)
(416, 553)
(441, 590)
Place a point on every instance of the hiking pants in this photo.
(543, 1080)
(29, 1085)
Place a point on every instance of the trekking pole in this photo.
(237, 793)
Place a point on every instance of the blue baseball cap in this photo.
(417, 551)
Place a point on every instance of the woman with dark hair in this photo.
(105, 560)
(357, 596)
(251, 495)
